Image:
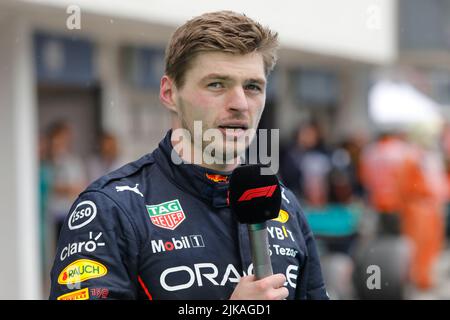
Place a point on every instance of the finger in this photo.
(278, 280)
(269, 283)
(281, 293)
(276, 294)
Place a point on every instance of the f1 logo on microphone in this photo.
(258, 193)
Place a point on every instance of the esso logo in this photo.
(83, 214)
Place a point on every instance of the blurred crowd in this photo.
(380, 202)
(63, 174)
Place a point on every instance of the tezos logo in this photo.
(83, 214)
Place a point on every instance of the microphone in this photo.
(254, 199)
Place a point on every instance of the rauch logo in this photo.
(82, 270)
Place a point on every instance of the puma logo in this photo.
(128, 188)
(284, 196)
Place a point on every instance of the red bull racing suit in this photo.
(156, 230)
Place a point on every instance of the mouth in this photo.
(233, 129)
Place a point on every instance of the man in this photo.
(381, 171)
(161, 228)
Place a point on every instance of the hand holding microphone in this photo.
(254, 199)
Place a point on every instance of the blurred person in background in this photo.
(445, 147)
(406, 186)
(108, 158)
(69, 177)
(306, 164)
(424, 192)
(382, 172)
(336, 222)
(353, 145)
(336, 225)
(380, 168)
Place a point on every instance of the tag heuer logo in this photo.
(167, 215)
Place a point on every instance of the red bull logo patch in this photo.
(217, 177)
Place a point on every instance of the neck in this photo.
(221, 167)
(189, 153)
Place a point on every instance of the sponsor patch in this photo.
(283, 251)
(82, 294)
(100, 293)
(283, 216)
(206, 274)
(167, 215)
(217, 177)
(184, 242)
(83, 214)
(82, 270)
(280, 233)
(82, 246)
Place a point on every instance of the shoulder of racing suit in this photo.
(102, 234)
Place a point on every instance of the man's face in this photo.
(225, 92)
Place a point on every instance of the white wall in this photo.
(19, 242)
(8, 242)
(353, 117)
(357, 29)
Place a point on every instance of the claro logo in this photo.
(83, 246)
(81, 270)
(83, 214)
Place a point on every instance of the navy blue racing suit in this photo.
(156, 230)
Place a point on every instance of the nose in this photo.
(237, 99)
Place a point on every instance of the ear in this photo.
(167, 93)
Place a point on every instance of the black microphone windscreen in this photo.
(254, 198)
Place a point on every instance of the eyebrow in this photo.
(228, 78)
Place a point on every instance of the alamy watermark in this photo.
(374, 280)
(373, 17)
(227, 146)
(73, 21)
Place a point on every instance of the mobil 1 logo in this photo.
(183, 242)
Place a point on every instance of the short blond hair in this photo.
(222, 31)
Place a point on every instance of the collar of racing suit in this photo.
(192, 178)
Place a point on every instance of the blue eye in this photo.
(253, 87)
(215, 85)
